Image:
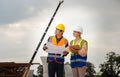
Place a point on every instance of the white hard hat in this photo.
(78, 29)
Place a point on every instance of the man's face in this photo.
(58, 32)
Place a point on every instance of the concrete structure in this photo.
(45, 66)
(30, 73)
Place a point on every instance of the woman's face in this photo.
(76, 34)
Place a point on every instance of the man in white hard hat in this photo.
(79, 58)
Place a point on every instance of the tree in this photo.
(90, 70)
(111, 68)
(40, 71)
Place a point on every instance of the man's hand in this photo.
(65, 53)
(45, 47)
(67, 49)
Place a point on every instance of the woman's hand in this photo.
(82, 52)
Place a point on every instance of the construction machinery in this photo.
(12, 69)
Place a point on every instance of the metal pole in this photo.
(60, 2)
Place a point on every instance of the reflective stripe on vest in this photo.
(76, 59)
(56, 57)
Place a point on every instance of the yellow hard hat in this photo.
(60, 27)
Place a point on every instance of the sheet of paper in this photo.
(55, 49)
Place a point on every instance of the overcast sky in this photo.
(22, 23)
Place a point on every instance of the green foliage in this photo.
(111, 68)
(90, 70)
(35, 76)
(97, 76)
(40, 71)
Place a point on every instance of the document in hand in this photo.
(55, 49)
